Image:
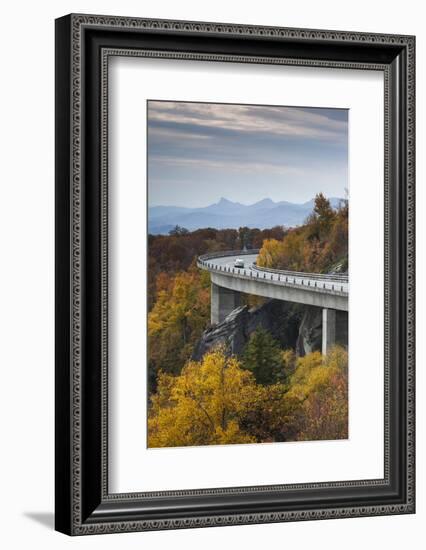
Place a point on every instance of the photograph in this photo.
(247, 273)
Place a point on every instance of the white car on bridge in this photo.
(239, 262)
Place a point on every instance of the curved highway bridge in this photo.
(330, 292)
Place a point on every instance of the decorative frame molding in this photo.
(84, 43)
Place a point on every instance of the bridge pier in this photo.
(223, 302)
(328, 329)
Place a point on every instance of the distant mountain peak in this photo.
(264, 202)
(222, 200)
(224, 204)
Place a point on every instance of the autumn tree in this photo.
(270, 416)
(277, 232)
(270, 253)
(289, 361)
(203, 405)
(227, 239)
(319, 392)
(177, 321)
(286, 254)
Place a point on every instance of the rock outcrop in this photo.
(279, 318)
(293, 326)
(310, 330)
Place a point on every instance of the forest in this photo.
(266, 393)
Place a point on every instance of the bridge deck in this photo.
(329, 291)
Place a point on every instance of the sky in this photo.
(200, 152)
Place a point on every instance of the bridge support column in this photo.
(223, 301)
(328, 329)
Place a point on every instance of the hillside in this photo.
(318, 246)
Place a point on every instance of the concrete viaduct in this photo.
(330, 292)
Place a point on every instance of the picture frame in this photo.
(84, 44)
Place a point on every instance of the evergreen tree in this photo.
(263, 357)
(178, 230)
(324, 215)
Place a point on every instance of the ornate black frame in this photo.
(83, 46)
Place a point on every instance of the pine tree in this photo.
(263, 357)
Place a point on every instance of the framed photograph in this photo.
(234, 274)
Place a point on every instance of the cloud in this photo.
(198, 152)
(169, 133)
(224, 164)
(248, 119)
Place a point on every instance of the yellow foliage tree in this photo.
(319, 392)
(203, 405)
(177, 320)
(270, 253)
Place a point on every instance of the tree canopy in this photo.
(318, 246)
(218, 401)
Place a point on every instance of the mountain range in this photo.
(226, 214)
